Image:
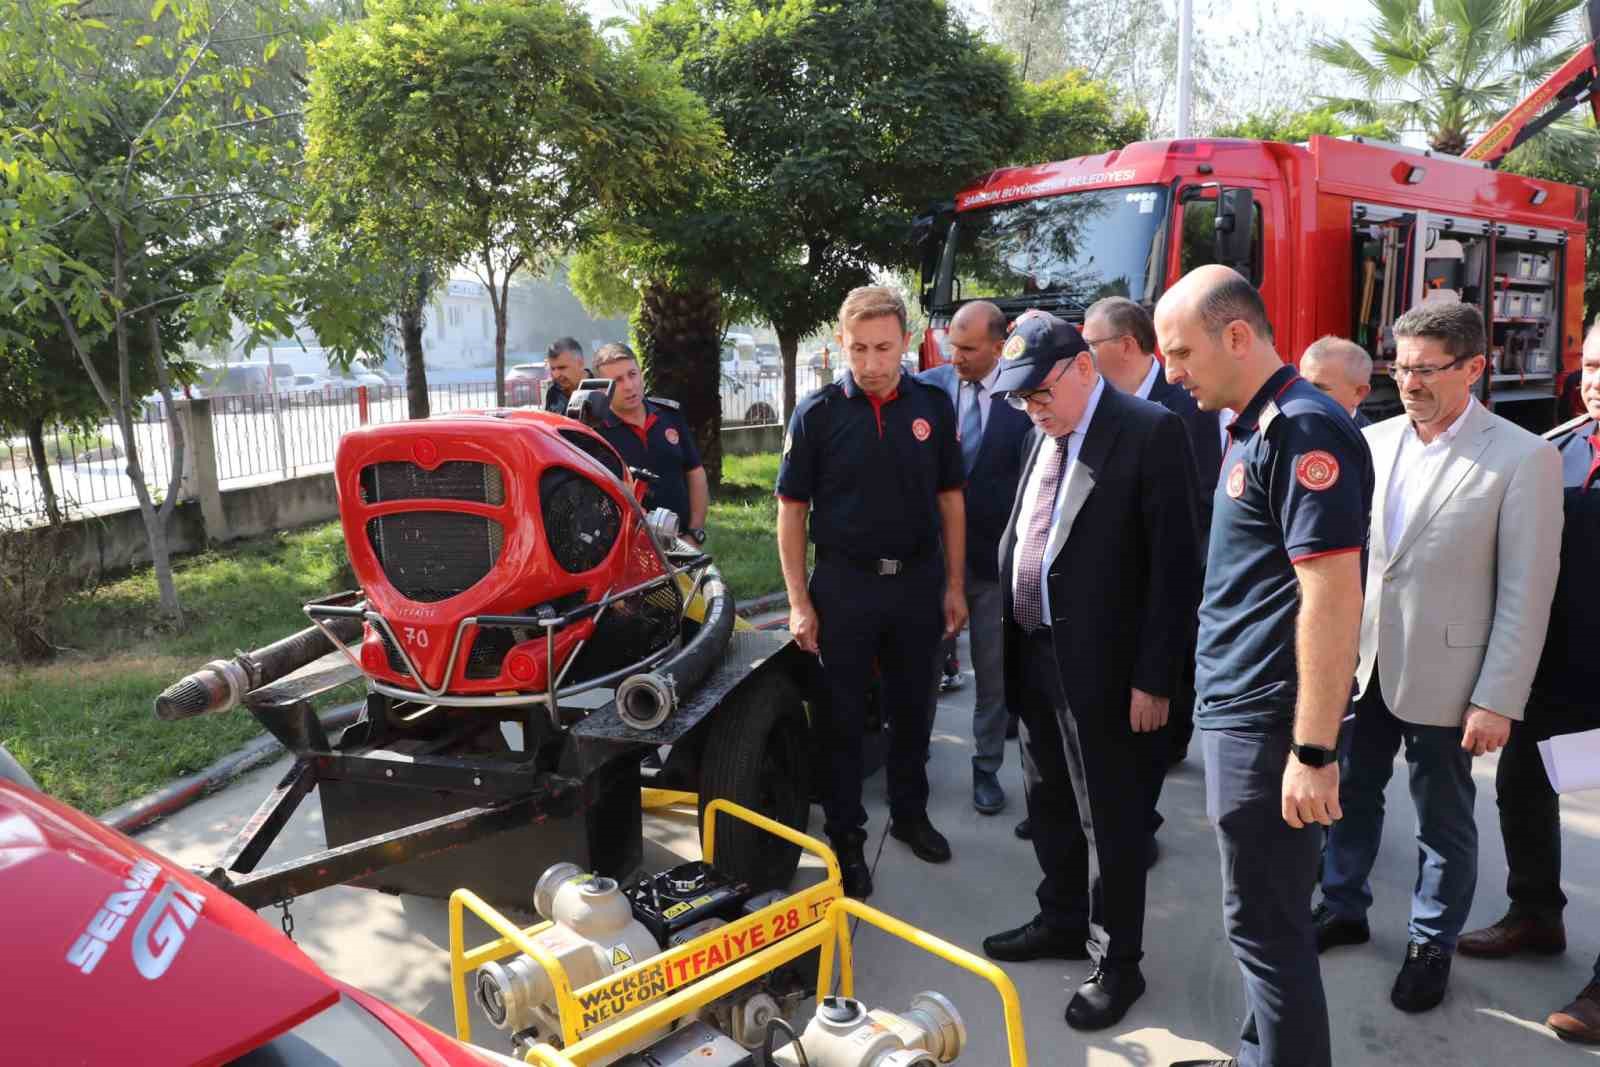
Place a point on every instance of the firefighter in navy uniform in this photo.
(1279, 626)
(649, 434)
(872, 461)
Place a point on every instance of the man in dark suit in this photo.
(1122, 336)
(1099, 581)
(992, 436)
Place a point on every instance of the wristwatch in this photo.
(1313, 755)
(698, 536)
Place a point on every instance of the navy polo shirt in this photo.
(872, 470)
(664, 447)
(1296, 484)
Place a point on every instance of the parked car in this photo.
(341, 388)
(745, 404)
(235, 386)
(525, 384)
(300, 388)
(769, 361)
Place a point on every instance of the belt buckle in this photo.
(890, 566)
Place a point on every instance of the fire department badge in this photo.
(671, 435)
(1015, 346)
(1317, 470)
(921, 430)
(1236, 481)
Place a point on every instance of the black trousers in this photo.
(1088, 779)
(890, 624)
(1530, 811)
(1268, 870)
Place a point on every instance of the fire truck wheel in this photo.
(757, 755)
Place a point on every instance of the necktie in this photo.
(1027, 598)
(972, 430)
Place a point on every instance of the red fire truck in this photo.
(1341, 235)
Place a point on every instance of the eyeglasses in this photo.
(1423, 374)
(1103, 340)
(1044, 395)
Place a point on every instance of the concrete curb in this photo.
(174, 796)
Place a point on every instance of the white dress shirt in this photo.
(1030, 498)
(966, 394)
(1149, 383)
(1416, 468)
(1224, 417)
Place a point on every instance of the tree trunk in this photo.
(412, 322)
(788, 346)
(41, 470)
(680, 341)
(502, 310)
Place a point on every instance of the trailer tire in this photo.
(758, 755)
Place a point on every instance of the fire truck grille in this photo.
(480, 483)
(433, 555)
(630, 629)
(581, 522)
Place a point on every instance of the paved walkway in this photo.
(396, 947)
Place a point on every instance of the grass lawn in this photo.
(83, 725)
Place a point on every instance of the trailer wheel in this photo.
(757, 755)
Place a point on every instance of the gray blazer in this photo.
(1455, 614)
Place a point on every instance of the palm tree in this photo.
(1451, 68)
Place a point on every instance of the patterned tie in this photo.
(972, 430)
(1027, 598)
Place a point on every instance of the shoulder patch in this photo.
(1317, 470)
(664, 402)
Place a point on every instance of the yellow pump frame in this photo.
(665, 988)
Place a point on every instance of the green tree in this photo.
(486, 133)
(147, 186)
(842, 120)
(1293, 127)
(1073, 115)
(1451, 70)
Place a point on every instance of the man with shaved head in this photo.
(1342, 369)
(1279, 624)
(992, 439)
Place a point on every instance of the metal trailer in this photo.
(424, 797)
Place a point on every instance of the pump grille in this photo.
(581, 522)
(434, 555)
(480, 483)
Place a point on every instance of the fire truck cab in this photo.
(1341, 235)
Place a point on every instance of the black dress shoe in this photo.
(927, 844)
(1036, 941)
(1423, 977)
(1024, 831)
(1104, 998)
(854, 874)
(1332, 931)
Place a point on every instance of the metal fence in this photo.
(261, 436)
(87, 467)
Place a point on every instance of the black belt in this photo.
(873, 564)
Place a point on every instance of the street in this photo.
(397, 947)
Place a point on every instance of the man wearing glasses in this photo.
(1465, 546)
(1099, 573)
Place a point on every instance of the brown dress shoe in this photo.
(1514, 935)
(1580, 1020)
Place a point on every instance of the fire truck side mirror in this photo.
(927, 237)
(591, 401)
(1235, 216)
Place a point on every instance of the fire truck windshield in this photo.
(1059, 252)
